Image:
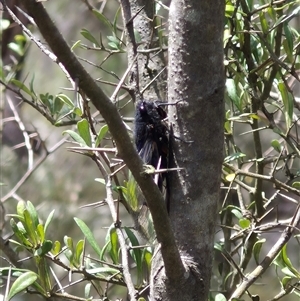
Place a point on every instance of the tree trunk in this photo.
(196, 79)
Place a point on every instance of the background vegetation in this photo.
(80, 254)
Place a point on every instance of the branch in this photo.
(121, 239)
(39, 44)
(23, 130)
(30, 171)
(119, 132)
(277, 183)
(284, 238)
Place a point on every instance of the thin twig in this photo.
(258, 271)
(24, 132)
(51, 55)
(121, 239)
(120, 84)
(29, 172)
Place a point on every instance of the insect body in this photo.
(151, 137)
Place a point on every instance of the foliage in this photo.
(71, 258)
(260, 171)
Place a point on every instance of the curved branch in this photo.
(253, 276)
(119, 132)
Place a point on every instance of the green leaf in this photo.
(100, 180)
(288, 262)
(113, 39)
(21, 206)
(135, 253)
(44, 273)
(282, 260)
(31, 86)
(21, 283)
(76, 137)
(288, 43)
(104, 249)
(69, 252)
(56, 248)
(77, 111)
(116, 19)
(113, 45)
(33, 213)
(286, 280)
(88, 235)
(79, 251)
(57, 105)
(84, 32)
(101, 134)
(244, 223)
(19, 234)
(276, 145)
(272, 13)
(220, 297)
(232, 93)
(229, 9)
(257, 248)
(76, 45)
(102, 18)
(288, 272)
(296, 185)
(131, 193)
(17, 48)
(147, 257)
(263, 22)
(22, 87)
(4, 24)
(45, 248)
(40, 232)
(68, 242)
(84, 131)
(47, 100)
(288, 104)
(114, 251)
(49, 219)
(30, 227)
(87, 290)
(237, 213)
(66, 100)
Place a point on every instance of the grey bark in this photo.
(196, 78)
(150, 63)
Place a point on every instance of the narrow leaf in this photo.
(76, 45)
(76, 137)
(114, 252)
(56, 248)
(49, 219)
(65, 99)
(21, 283)
(89, 37)
(101, 134)
(33, 213)
(232, 93)
(88, 235)
(30, 227)
(84, 131)
(136, 253)
(22, 87)
(40, 232)
(102, 18)
(288, 104)
(257, 248)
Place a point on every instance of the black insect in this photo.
(151, 136)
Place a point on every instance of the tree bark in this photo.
(196, 79)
